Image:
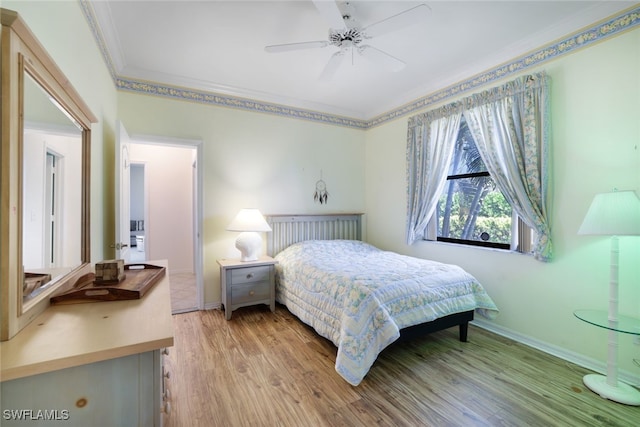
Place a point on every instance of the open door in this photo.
(123, 190)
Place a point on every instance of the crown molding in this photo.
(622, 22)
(211, 98)
(609, 28)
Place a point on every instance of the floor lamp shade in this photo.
(613, 214)
(249, 222)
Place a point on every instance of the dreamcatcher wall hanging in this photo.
(321, 194)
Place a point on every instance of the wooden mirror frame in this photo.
(22, 52)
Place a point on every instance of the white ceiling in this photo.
(218, 46)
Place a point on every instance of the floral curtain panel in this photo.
(510, 126)
(429, 149)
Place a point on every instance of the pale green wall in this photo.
(62, 29)
(595, 114)
(254, 160)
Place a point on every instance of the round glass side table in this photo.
(609, 386)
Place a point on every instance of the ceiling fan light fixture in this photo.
(345, 34)
(338, 37)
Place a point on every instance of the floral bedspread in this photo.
(359, 296)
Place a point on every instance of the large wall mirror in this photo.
(45, 160)
(51, 192)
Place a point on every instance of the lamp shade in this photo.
(613, 214)
(249, 220)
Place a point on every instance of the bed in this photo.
(359, 296)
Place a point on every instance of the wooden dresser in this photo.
(97, 364)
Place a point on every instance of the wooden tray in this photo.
(139, 278)
(33, 281)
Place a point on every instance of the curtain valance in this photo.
(509, 89)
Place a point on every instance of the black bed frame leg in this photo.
(464, 328)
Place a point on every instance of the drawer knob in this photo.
(251, 293)
(250, 275)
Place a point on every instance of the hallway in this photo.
(183, 286)
(183, 292)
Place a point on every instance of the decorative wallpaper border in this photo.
(612, 27)
(577, 41)
(213, 98)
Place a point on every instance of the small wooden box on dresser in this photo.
(245, 283)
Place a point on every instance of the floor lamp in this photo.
(613, 214)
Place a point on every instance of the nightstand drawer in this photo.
(249, 292)
(250, 274)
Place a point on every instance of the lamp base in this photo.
(249, 243)
(622, 393)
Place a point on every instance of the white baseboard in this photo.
(578, 359)
(213, 306)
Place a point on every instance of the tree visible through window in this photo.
(471, 209)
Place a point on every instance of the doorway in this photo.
(137, 212)
(165, 214)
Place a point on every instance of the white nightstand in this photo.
(246, 283)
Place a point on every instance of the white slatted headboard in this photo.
(290, 229)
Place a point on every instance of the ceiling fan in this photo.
(349, 37)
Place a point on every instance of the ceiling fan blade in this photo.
(332, 66)
(295, 46)
(409, 17)
(380, 57)
(331, 14)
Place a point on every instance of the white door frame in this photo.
(198, 202)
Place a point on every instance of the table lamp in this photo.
(613, 214)
(250, 222)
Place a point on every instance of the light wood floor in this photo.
(265, 369)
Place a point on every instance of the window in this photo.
(471, 209)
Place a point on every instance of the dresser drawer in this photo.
(250, 274)
(249, 292)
